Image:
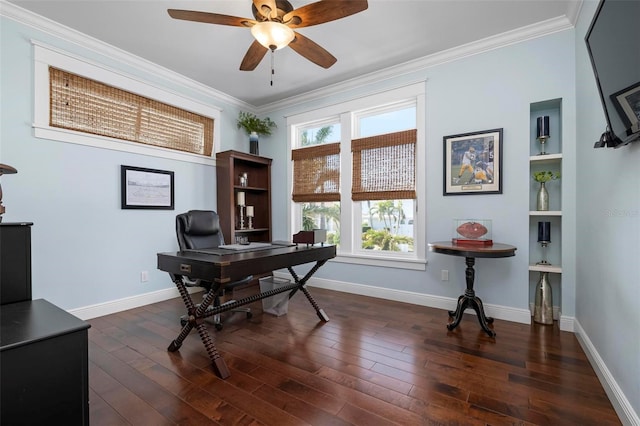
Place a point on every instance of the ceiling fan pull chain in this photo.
(272, 71)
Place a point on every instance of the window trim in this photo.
(45, 56)
(414, 92)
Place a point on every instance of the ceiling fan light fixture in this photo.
(272, 35)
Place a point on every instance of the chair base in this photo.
(216, 319)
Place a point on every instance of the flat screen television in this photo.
(613, 43)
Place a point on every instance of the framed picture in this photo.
(627, 102)
(146, 188)
(473, 163)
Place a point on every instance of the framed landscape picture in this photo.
(473, 163)
(146, 188)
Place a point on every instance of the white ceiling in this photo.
(388, 33)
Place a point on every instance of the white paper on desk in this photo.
(250, 246)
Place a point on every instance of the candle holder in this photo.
(244, 180)
(241, 203)
(543, 132)
(250, 216)
(542, 141)
(544, 261)
(241, 208)
(544, 238)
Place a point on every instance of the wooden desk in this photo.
(469, 298)
(223, 266)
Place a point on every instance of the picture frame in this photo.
(627, 103)
(473, 163)
(149, 189)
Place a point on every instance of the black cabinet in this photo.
(15, 262)
(43, 365)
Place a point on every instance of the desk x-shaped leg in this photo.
(197, 313)
(301, 282)
(470, 300)
(195, 318)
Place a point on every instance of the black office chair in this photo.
(199, 229)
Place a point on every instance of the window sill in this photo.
(387, 261)
(97, 141)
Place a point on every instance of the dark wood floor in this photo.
(374, 363)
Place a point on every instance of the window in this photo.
(316, 177)
(81, 104)
(108, 109)
(383, 174)
(358, 174)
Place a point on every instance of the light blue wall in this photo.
(71, 192)
(85, 249)
(485, 91)
(608, 258)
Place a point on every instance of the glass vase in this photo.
(543, 308)
(542, 203)
(253, 144)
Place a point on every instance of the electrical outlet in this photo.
(144, 276)
(444, 275)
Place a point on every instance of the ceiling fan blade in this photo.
(312, 51)
(253, 56)
(266, 8)
(323, 11)
(210, 18)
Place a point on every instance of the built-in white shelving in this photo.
(551, 161)
(545, 213)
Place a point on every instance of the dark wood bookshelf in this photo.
(230, 166)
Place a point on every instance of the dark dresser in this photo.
(44, 375)
(15, 262)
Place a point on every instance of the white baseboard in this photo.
(114, 306)
(622, 406)
(497, 311)
(566, 323)
(620, 403)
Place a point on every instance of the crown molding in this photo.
(519, 35)
(99, 47)
(574, 11)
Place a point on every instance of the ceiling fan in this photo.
(274, 23)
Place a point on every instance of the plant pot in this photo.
(253, 144)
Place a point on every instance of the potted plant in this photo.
(255, 127)
(544, 176)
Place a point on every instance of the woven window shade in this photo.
(84, 105)
(384, 167)
(316, 173)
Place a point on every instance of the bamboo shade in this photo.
(316, 173)
(384, 167)
(84, 105)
